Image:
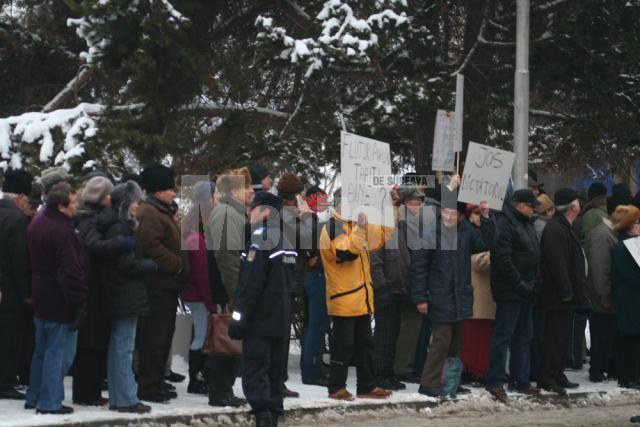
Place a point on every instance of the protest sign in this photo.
(443, 142)
(633, 245)
(362, 160)
(486, 175)
(459, 113)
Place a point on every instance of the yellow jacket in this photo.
(344, 249)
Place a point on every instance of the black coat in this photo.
(562, 264)
(14, 258)
(94, 330)
(442, 277)
(516, 256)
(263, 295)
(123, 275)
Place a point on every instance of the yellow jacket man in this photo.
(344, 249)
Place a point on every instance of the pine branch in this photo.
(70, 89)
(475, 44)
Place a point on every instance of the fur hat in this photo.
(565, 196)
(626, 216)
(545, 204)
(123, 195)
(96, 189)
(409, 193)
(157, 178)
(51, 176)
(289, 185)
(17, 182)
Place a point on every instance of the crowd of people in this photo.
(92, 274)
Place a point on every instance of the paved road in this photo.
(614, 415)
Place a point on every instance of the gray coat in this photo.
(599, 243)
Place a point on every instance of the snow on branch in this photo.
(343, 34)
(37, 127)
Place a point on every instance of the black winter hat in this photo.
(157, 178)
(17, 182)
(525, 196)
(614, 201)
(265, 198)
(621, 189)
(564, 196)
(258, 173)
(597, 189)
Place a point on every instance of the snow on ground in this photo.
(13, 413)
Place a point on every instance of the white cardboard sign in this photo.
(486, 175)
(444, 137)
(361, 160)
(633, 245)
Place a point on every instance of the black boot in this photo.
(197, 384)
(264, 419)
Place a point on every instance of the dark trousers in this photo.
(89, 371)
(536, 344)
(577, 341)
(446, 341)
(28, 345)
(629, 358)
(12, 333)
(316, 328)
(513, 331)
(557, 331)
(603, 329)
(352, 339)
(422, 346)
(221, 373)
(386, 334)
(155, 333)
(263, 363)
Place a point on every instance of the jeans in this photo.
(200, 317)
(314, 287)
(513, 331)
(54, 354)
(123, 389)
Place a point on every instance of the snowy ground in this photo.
(315, 398)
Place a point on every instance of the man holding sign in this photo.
(344, 249)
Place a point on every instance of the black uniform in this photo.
(261, 316)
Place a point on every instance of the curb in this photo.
(312, 413)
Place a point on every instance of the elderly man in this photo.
(564, 275)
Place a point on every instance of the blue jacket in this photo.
(442, 277)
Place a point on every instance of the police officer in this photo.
(262, 308)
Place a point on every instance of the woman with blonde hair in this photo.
(626, 294)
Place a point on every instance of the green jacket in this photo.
(594, 212)
(626, 288)
(226, 235)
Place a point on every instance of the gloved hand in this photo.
(148, 266)
(128, 243)
(526, 290)
(81, 314)
(237, 326)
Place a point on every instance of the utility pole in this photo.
(521, 97)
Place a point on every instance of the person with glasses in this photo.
(514, 271)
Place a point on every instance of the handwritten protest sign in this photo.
(633, 245)
(486, 175)
(459, 113)
(443, 142)
(361, 161)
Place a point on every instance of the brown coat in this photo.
(159, 237)
(483, 305)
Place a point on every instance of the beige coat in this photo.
(483, 305)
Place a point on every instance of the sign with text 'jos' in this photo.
(486, 175)
(361, 161)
